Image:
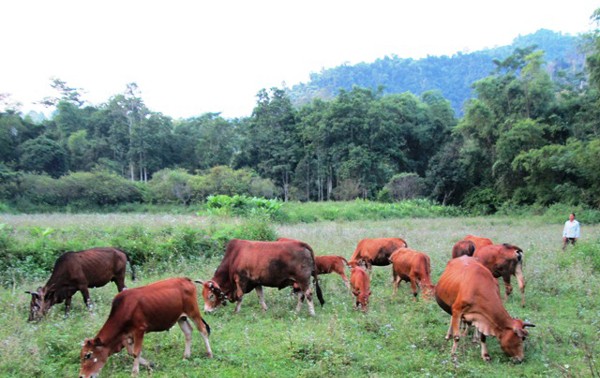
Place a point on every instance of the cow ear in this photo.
(97, 342)
(521, 332)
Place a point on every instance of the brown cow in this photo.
(414, 267)
(360, 285)
(78, 271)
(330, 264)
(463, 248)
(504, 260)
(152, 308)
(376, 251)
(478, 241)
(468, 291)
(249, 265)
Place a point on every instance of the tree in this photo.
(43, 155)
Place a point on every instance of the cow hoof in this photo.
(209, 355)
(487, 357)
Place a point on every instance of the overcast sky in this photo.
(193, 57)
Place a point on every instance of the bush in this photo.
(482, 201)
(242, 206)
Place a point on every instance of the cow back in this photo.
(377, 251)
(478, 241)
(500, 259)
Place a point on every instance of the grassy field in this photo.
(397, 337)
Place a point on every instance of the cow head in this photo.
(362, 299)
(511, 341)
(93, 356)
(39, 305)
(213, 295)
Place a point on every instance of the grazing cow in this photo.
(376, 251)
(151, 308)
(463, 248)
(78, 271)
(330, 264)
(414, 267)
(478, 241)
(249, 265)
(360, 285)
(468, 292)
(504, 260)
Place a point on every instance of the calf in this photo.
(468, 292)
(376, 251)
(504, 260)
(414, 267)
(78, 271)
(152, 308)
(329, 264)
(360, 285)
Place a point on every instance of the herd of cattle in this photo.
(468, 290)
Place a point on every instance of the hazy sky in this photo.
(193, 57)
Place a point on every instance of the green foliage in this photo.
(482, 201)
(242, 206)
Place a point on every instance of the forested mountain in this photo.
(529, 134)
(453, 75)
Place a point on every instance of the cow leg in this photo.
(261, 297)
(86, 297)
(455, 325)
(484, 351)
(413, 286)
(309, 301)
(204, 332)
(187, 331)
(120, 282)
(345, 279)
(238, 304)
(138, 339)
(129, 347)
(395, 283)
(67, 305)
(521, 281)
(507, 286)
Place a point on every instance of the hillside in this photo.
(451, 75)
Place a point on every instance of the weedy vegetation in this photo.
(397, 337)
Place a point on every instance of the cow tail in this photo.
(206, 325)
(319, 292)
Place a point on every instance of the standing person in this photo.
(570, 231)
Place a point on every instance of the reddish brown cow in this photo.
(78, 271)
(249, 265)
(414, 267)
(152, 308)
(331, 264)
(468, 291)
(478, 241)
(375, 251)
(463, 248)
(504, 260)
(360, 285)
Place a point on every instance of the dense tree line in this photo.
(527, 137)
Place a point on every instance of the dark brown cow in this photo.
(249, 265)
(504, 260)
(463, 248)
(360, 284)
(331, 264)
(152, 308)
(414, 267)
(78, 271)
(468, 291)
(478, 241)
(376, 251)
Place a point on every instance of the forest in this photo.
(529, 135)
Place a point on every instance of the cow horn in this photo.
(199, 281)
(33, 293)
(527, 324)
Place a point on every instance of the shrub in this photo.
(242, 206)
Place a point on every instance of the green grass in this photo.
(397, 337)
